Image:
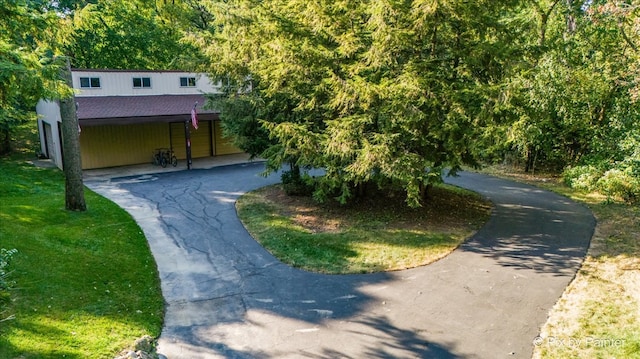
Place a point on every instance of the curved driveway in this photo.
(229, 298)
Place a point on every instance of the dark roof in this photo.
(109, 107)
(131, 70)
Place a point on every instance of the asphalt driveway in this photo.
(227, 297)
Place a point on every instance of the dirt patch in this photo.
(446, 210)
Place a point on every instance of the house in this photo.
(125, 115)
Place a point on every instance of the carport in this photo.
(125, 130)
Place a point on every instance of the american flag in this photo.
(194, 118)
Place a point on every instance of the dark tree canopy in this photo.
(388, 93)
(27, 69)
(391, 93)
(124, 34)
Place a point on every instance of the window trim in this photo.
(190, 81)
(142, 82)
(90, 82)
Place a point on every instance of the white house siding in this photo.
(49, 118)
(131, 139)
(120, 83)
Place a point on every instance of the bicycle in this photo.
(164, 156)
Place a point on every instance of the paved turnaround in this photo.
(227, 297)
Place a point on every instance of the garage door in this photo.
(108, 146)
(200, 140)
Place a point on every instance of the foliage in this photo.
(614, 171)
(5, 257)
(123, 34)
(374, 91)
(5, 283)
(99, 288)
(582, 177)
(620, 183)
(188, 15)
(573, 102)
(239, 115)
(295, 184)
(389, 93)
(37, 36)
(27, 69)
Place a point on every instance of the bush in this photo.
(5, 284)
(294, 184)
(620, 183)
(582, 177)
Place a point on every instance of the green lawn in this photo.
(86, 285)
(377, 233)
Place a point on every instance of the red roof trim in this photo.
(104, 107)
(145, 71)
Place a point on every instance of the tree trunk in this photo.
(295, 172)
(544, 19)
(529, 163)
(5, 141)
(72, 165)
(571, 18)
(424, 191)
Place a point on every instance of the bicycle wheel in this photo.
(163, 162)
(174, 161)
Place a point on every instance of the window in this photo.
(187, 82)
(90, 82)
(141, 82)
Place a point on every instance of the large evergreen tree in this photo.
(384, 92)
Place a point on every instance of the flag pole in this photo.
(187, 134)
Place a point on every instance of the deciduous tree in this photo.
(119, 34)
(26, 70)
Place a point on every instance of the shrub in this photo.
(295, 184)
(582, 177)
(5, 284)
(620, 183)
(621, 179)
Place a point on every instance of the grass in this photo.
(378, 233)
(86, 283)
(598, 316)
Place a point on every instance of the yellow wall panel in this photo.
(109, 146)
(120, 145)
(223, 145)
(200, 140)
